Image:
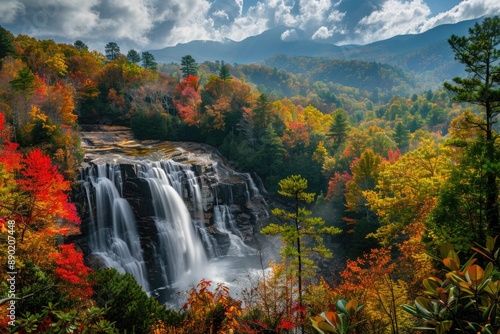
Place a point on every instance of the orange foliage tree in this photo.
(371, 280)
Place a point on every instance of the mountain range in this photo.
(426, 55)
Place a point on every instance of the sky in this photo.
(154, 24)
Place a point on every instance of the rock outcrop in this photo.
(225, 194)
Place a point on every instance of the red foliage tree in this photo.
(188, 101)
(46, 190)
(71, 270)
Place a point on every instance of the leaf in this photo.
(490, 243)
(351, 307)
(341, 305)
(445, 249)
(431, 284)
(444, 326)
(451, 264)
(488, 270)
(475, 274)
(423, 305)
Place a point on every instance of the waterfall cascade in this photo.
(163, 220)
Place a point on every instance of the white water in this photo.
(113, 233)
(184, 250)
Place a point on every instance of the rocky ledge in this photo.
(219, 183)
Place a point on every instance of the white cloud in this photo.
(396, 17)
(313, 12)
(289, 35)
(322, 33)
(335, 16)
(465, 10)
(9, 10)
(144, 24)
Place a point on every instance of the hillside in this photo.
(426, 55)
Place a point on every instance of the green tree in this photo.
(112, 51)
(6, 43)
(128, 306)
(148, 61)
(401, 136)
(25, 81)
(480, 55)
(133, 56)
(338, 128)
(270, 155)
(297, 226)
(188, 66)
(80, 45)
(224, 72)
(459, 216)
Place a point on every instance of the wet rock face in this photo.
(218, 184)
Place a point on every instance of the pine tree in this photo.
(148, 61)
(133, 56)
(480, 54)
(6, 43)
(112, 51)
(189, 66)
(224, 72)
(301, 234)
(338, 128)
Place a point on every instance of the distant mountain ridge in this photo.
(426, 55)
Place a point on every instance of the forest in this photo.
(358, 154)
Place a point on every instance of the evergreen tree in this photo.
(297, 225)
(148, 61)
(480, 54)
(270, 155)
(459, 216)
(112, 51)
(224, 72)
(338, 128)
(133, 56)
(189, 66)
(6, 43)
(80, 45)
(401, 136)
(24, 81)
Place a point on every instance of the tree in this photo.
(270, 154)
(189, 66)
(407, 189)
(80, 45)
(112, 51)
(401, 136)
(128, 306)
(338, 128)
(6, 43)
(133, 56)
(71, 270)
(373, 280)
(297, 226)
(148, 61)
(25, 81)
(480, 54)
(224, 72)
(47, 198)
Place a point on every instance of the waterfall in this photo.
(225, 223)
(178, 241)
(113, 238)
(161, 223)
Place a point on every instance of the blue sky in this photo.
(153, 24)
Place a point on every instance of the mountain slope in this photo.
(427, 55)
